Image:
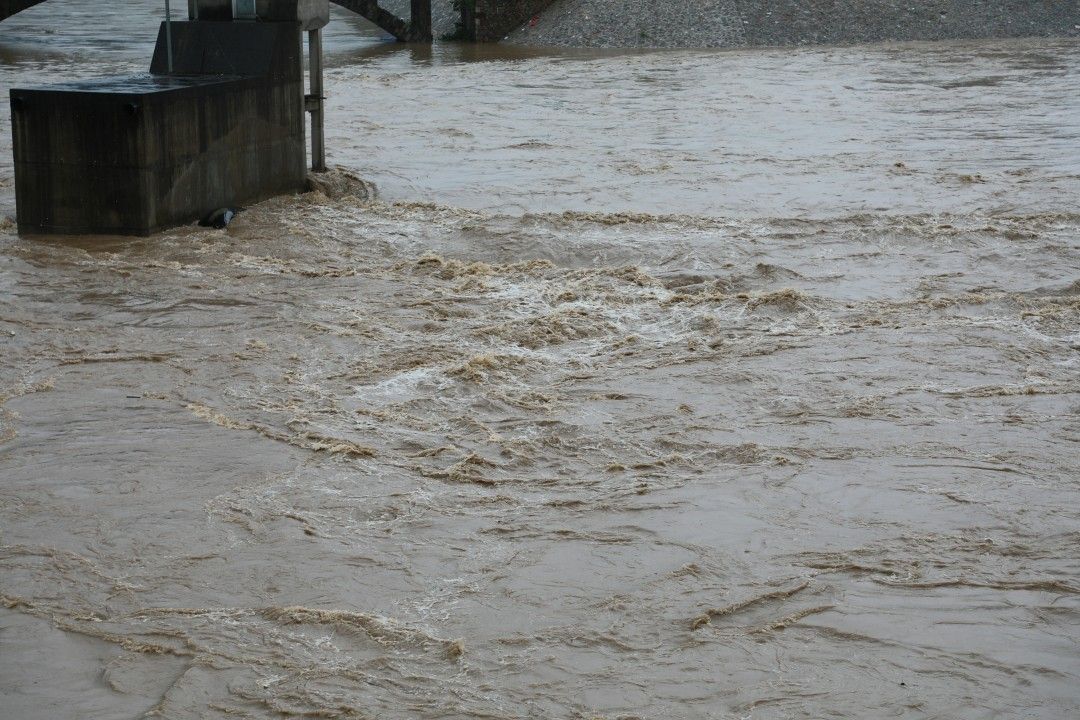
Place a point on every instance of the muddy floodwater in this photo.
(660, 385)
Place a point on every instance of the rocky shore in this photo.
(744, 23)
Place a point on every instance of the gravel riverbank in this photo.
(742, 23)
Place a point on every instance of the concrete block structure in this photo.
(135, 155)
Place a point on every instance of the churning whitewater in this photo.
(623, 413)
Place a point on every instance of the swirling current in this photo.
(675, 384)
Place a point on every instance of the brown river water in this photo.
(727, 385)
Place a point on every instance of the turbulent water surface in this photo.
(668, 385)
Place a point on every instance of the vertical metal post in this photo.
(315, 101)
(168, 36)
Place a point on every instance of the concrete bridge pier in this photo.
(218, 123)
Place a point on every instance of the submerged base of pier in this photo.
(135, 155)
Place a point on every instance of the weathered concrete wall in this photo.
(135, 155)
